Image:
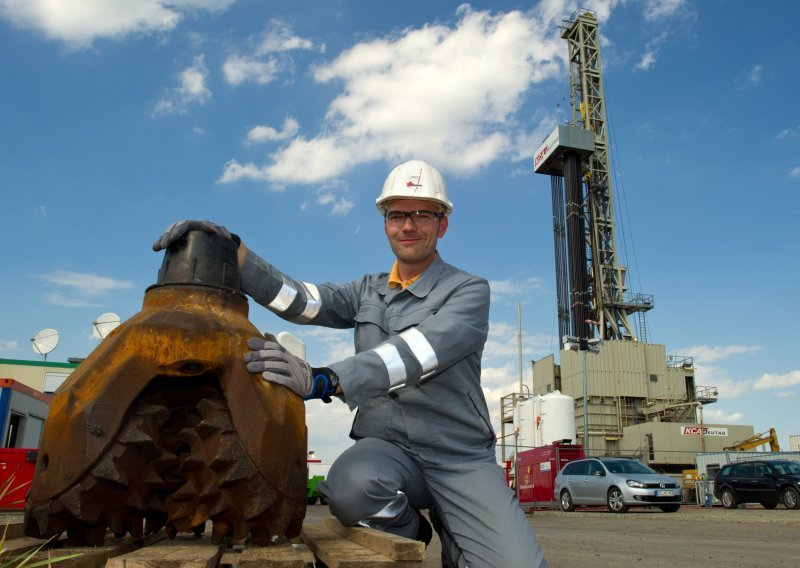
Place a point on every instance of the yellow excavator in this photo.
(770, 437)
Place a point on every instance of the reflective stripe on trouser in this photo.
(472, 499)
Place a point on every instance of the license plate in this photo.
(665, 493)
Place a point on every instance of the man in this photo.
(423, 434)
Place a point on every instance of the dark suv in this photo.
(768, 482)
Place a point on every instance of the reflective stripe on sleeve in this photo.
(284, 299)
(394, 365)
(422, 350)
(313, 304)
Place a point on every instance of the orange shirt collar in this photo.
(395, 281)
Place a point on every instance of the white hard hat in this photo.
(415, 180)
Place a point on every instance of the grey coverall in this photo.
(423, 433)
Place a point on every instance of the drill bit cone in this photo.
(162, 425)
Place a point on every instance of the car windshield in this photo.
(626, 466)
(790, 468)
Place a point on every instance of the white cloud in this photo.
(328, 425)
(446, 93)
(86, 282)
(647, 61)
(721, 416)
(327, 344)
(788, 133)
(514, 289)
(8, 345)
(795, 172)
(656, 9)
(711, 353)
(713, 376)
(280, 37)
(82, 289)
(503, 343)
(342, 207)
(58, 299)
(77, 23)
(650, 55)
(749, 78)
(268, 133)
(770, 381)
(191, 90)
(268, 56)
(238, 69)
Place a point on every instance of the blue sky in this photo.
(281, 119)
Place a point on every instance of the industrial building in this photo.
(25, 389)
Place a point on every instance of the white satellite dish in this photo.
(104, 324)
(45, 341)
(292, 344)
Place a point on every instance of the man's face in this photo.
(414, 243)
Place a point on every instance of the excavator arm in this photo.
(770, 437)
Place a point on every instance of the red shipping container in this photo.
(536, 472)
(16, 463)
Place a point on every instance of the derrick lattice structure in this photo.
(612, 305)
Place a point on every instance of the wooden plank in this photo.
(229, 559)
(14, 530)
(392, 546)
(96, 557)
(171, 554)
(285, 555)
(338, 552)
(16, 546)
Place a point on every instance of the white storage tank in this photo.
(555, 420)
(525, 420)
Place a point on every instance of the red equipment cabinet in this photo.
(536, 473)
(19, 463)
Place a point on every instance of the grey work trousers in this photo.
(378, 484)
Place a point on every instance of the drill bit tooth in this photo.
(135, 524)
(219, 531)
(154, 523)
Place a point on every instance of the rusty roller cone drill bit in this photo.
(163, 427)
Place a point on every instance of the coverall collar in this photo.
(420, 288)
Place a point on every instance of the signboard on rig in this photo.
(695, 431)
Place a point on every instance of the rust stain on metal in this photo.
(162, 426)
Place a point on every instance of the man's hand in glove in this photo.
(277, 365)
(175, 231)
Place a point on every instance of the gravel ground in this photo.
(644, 538)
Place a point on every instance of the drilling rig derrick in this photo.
(593, 297)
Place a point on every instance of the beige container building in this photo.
(640, 402)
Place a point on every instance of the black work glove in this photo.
(175, 231)
(277, 365)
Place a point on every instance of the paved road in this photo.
(693, 537)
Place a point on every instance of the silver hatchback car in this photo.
(619, 483)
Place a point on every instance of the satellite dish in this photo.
(104, 324)
(45, 341)
(292, 344)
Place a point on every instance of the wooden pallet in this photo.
(331, 543)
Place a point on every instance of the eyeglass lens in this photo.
(420, 217)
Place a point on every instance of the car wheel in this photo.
(728, 499)
(566, 502)
(790, 498)
(616, 502)
(669, 508)
(769, 505)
